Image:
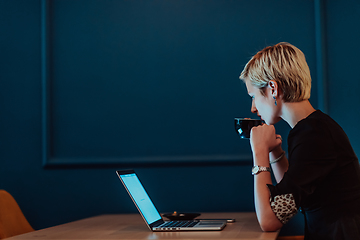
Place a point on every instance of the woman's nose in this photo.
(253, 108)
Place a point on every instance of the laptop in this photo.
(151, 215)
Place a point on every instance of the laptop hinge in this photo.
(157, 223)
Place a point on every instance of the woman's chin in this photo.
(272, 121)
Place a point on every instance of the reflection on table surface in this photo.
(132, 226)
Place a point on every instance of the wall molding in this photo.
(48, 158)
(321, 55)
(58, 162)
(51, 161)
(45, 88)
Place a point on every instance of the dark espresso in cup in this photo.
(243, 126)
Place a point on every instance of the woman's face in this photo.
(263, 105)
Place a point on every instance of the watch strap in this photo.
(258, 169)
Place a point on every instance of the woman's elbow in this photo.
(270, 225)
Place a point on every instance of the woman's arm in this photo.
(266, 217)
(281, 166)
(263, 140)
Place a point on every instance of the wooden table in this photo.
(132, 226)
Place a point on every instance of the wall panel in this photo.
(343, 51)
(130, 82)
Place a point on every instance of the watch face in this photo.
(255, 170)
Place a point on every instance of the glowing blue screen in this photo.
(140, 197)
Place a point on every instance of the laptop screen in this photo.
(140, 197)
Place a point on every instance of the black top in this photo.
(323, 178)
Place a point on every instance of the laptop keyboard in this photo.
(178, 224)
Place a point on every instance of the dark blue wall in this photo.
(131, 82)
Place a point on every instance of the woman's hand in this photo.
(264, 138)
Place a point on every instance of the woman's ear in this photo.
(274, 88)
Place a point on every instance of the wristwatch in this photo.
(257, 169)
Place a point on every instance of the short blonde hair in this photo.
(283, 63)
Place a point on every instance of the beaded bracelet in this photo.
(276, 160)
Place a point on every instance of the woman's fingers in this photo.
(265, 137)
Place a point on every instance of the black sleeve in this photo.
(312, 156)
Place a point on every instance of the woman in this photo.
(321, 176)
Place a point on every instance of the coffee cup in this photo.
(243, 126)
